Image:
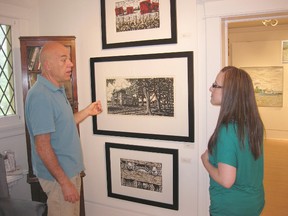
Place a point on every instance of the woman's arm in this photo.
(224, 175)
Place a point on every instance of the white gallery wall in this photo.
(83, 20)
(199, 29)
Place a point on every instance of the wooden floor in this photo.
(276, 177)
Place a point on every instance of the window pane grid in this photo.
(7, 97)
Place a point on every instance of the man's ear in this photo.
(46, 66)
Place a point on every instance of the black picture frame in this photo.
(118, 174)
(166, 33)
(178, 65)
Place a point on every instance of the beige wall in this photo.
(262, 47)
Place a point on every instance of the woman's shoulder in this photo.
(229, 128)
(229, 125)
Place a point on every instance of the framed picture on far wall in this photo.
(285, 51)
(127, 23)
(268, 85)
(147, 175)
(145, 96)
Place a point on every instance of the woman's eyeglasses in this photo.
(215, 85)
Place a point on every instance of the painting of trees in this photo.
(141, 96)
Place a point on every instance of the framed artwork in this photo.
(145, 96)
(147, 175)
(268, 85)
(127, 23)
(285, 51)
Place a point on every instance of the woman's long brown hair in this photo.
(239, 105)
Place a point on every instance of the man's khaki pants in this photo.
(57, 206)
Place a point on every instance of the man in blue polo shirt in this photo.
(56, 151)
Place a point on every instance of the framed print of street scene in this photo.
(127, 23)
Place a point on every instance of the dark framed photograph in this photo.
(145, 96)
(147, 175)
(127, 23)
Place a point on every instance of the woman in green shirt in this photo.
(234, 158)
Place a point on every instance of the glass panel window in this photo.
(7, 94)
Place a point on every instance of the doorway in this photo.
(259, 46)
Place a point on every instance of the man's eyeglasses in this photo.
(215, 85)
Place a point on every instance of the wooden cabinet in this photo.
(30, 48)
